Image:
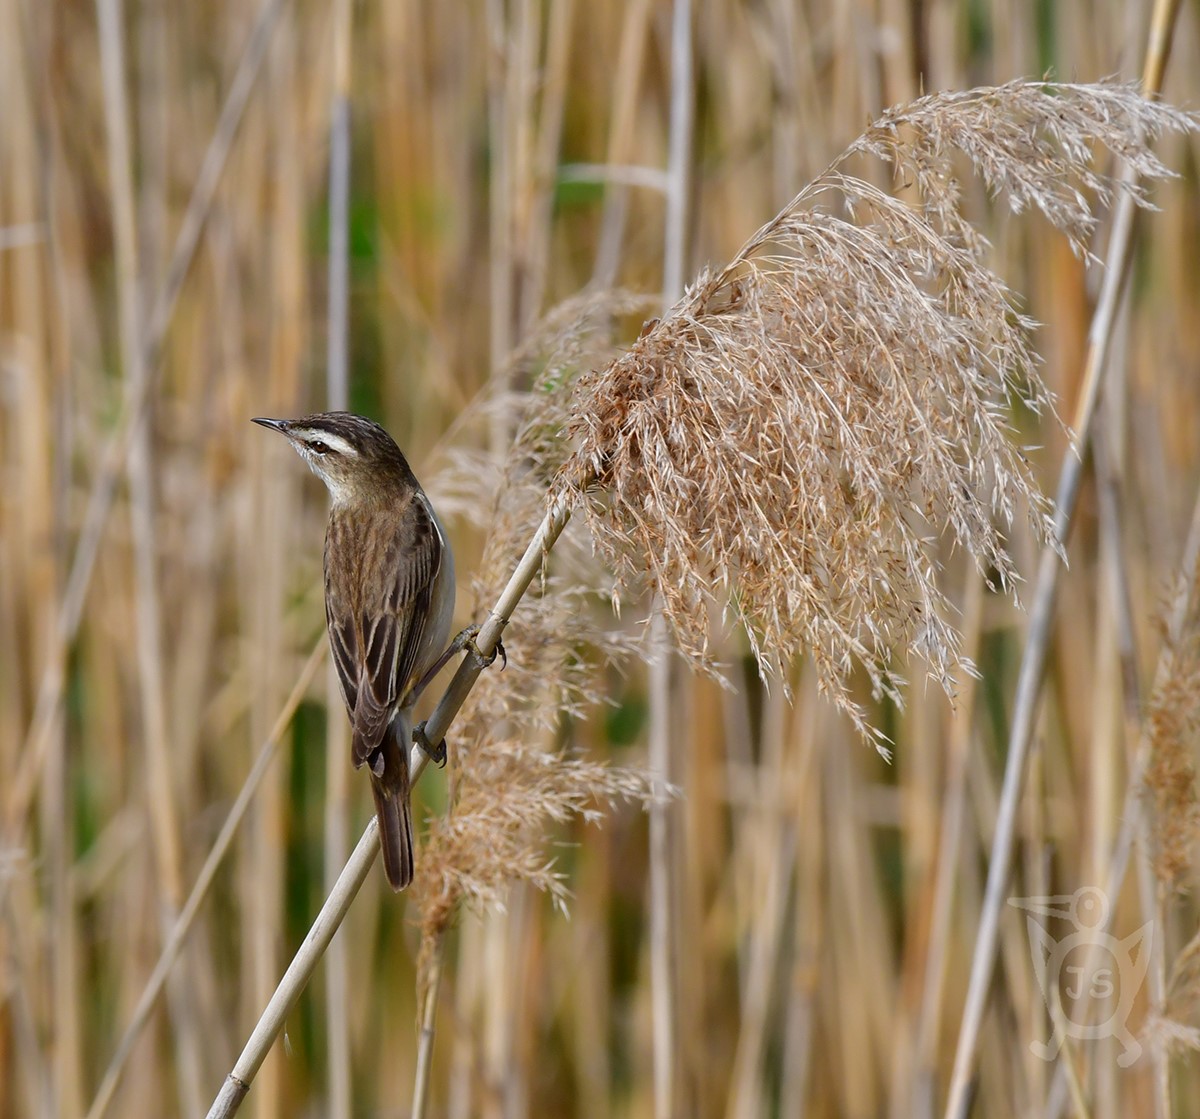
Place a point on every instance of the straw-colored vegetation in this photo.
(840, 441)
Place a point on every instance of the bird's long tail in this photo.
(393, 809)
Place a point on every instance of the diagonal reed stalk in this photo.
(177, 937)
(1033, 660)
(337, 905)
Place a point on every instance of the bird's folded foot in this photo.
(464, 640)
(436, 754)
(481, 661)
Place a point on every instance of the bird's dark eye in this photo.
(317, 447)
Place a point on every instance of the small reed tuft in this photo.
(1172, 801)
(1170, 781)
(1171, 806)
(512, 779)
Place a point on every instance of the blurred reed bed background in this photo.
(503, 159)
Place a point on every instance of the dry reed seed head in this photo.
(1173, 722)
(511, 781)
(794, 436)
(1175, 1026)
(1033, 142)
(1183, 986)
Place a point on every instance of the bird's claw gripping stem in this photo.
(466, 640)
(482, 662)
(436, 754)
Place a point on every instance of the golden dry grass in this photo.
(824, 904)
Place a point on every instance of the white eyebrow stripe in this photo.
(333, 442)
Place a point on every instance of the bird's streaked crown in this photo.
(355, 458)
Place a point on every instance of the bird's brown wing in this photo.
(423, 550)
(377, 639)
(343, 641)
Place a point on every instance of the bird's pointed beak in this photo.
(276, 425)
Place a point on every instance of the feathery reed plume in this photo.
(1176, 1027)
(789, 440)
(1172, 813)
(511, 781)
(1170, 782)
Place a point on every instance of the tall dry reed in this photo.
(499, 163)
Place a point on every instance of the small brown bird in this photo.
(389, 601)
